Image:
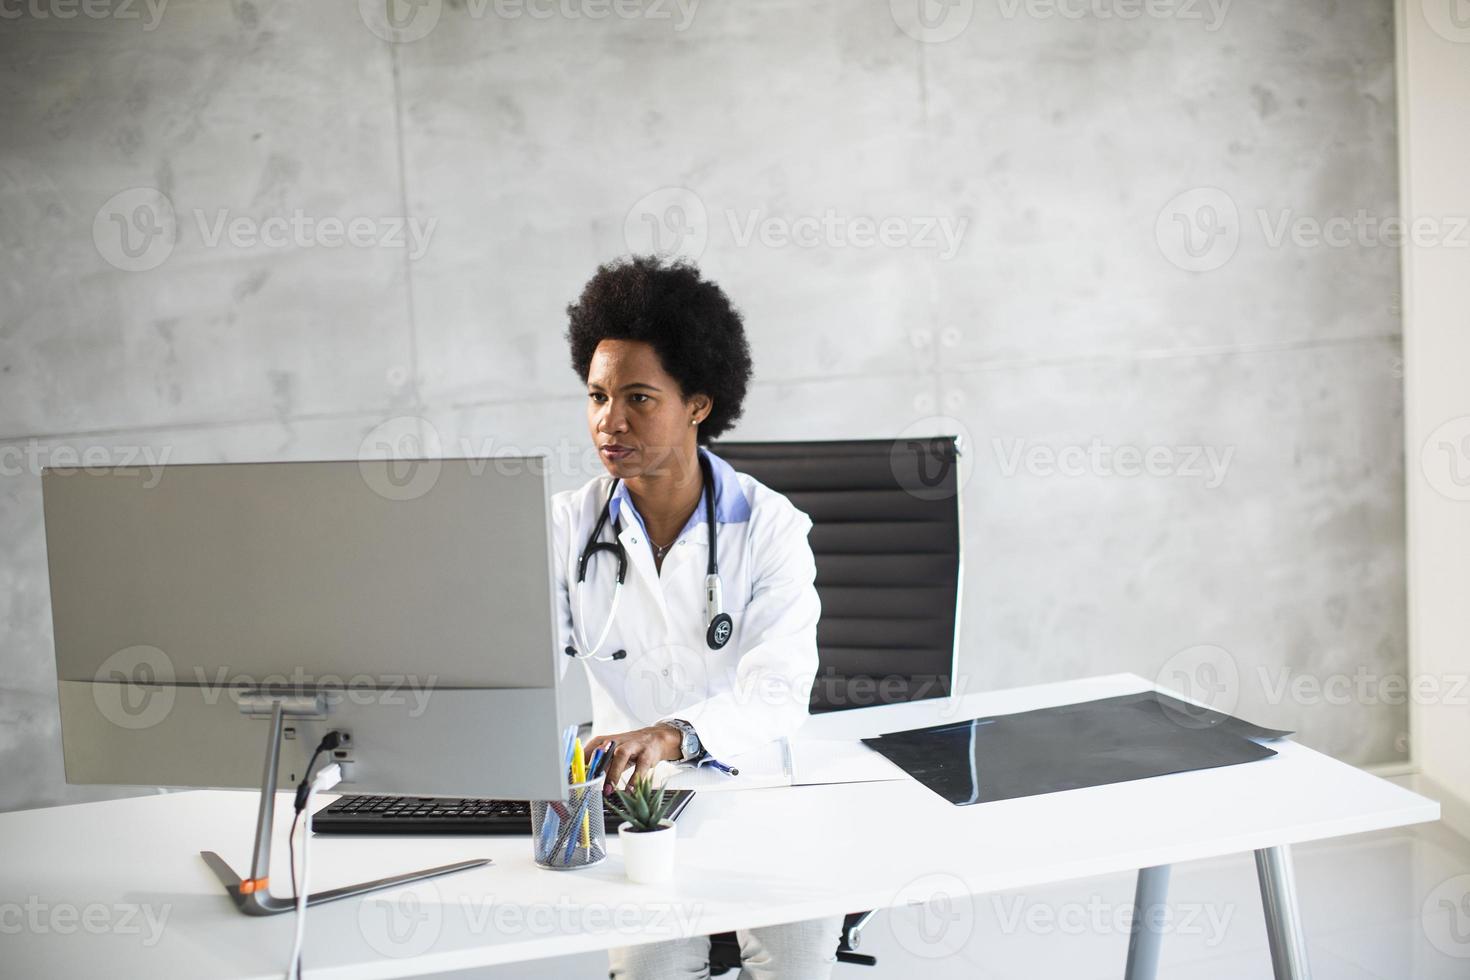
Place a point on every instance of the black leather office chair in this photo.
(886, 536)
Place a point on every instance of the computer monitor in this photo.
(407, 604)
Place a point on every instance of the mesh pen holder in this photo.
(558, 841)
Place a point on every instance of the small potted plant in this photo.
(647, 834)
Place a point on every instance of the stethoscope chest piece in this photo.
(719, 631)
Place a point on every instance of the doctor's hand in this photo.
(638, 750)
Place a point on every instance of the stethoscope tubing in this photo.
(720, 624)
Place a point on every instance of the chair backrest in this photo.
(886, 536)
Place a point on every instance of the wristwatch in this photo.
(690, 748)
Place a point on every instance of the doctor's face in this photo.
(637, 414)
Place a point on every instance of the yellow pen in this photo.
(579, 775)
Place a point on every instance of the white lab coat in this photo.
(757, 687)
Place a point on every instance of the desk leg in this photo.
(1283, 921)
(1143, 946)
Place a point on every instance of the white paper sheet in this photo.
(815, 761)
(802, 762)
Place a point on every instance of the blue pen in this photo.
(727, 770)
(592, 766)
(605, 756)
(548, 833)
(576, 823)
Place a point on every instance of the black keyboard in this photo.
(445, 815)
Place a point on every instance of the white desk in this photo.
(78, 880)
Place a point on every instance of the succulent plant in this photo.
(642, 805)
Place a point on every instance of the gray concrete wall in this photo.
(1083, 240)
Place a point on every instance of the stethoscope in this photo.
(721, 626)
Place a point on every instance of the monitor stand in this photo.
(252, 895)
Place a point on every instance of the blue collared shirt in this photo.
(731, 504)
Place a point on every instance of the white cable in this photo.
(324, 780)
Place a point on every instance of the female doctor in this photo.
(685, 587)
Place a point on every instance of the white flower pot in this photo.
(648, 856)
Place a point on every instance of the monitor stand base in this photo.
(252, 895)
